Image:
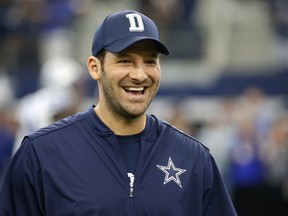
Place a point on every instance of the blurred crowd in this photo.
(248, 137)
(44, 44)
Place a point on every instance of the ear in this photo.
(94, 67)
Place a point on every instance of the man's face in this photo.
(130, 79)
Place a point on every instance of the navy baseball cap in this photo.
(122, 29)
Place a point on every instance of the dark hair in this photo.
(101, 56)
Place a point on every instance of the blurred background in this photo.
(225, 82)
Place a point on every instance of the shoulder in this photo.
(56, 137)
(182, 135)
(177, 137)
(62, 126)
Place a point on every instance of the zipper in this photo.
(131, 194)
(131, 183)
(130, 176)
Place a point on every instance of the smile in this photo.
(135, 90)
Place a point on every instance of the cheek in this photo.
(156, 76)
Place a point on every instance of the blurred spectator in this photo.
(248, 138)
(219, 134)
(275, 153)
(247, 168)
(275, 159)
(254, 106)
(252, 164)
(62, 82)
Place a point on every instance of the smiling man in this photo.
(128, 81)
(114, 159)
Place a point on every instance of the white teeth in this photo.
(135, 89)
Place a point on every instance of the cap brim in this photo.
(124, 43)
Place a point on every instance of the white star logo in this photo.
(172, 173)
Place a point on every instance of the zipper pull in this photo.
(131, 177)
(131, 194)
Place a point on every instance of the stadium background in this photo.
(225, 82)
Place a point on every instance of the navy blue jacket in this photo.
(75, 167)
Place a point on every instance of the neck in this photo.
(121, 125)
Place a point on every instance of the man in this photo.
(114, 159)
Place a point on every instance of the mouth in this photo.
(135, 90)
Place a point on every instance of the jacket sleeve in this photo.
(21, 191)
(216, 199)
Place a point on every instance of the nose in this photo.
(138, 74)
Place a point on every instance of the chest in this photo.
(95, 182)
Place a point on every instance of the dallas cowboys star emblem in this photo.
(172, 173)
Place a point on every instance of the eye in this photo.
(151, 62)
(124, 61)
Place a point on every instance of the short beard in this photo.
(119, 112)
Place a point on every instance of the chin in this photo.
(132, 114)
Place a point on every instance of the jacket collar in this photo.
(151, 131)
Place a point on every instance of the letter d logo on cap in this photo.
(133, 24)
